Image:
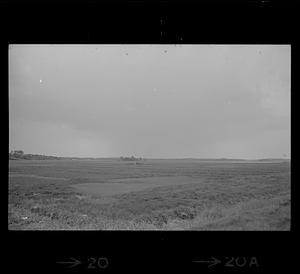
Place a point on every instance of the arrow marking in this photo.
(74, 262)
(213, 262)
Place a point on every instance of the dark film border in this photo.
(136, 22)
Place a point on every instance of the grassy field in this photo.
(151, 195)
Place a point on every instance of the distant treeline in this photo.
(19, 154)
(132, 158)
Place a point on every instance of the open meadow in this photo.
(111, 194)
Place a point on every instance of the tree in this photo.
(17, 153)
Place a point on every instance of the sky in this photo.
(151, 101)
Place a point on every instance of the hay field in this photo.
(110, 194)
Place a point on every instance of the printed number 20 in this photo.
(101, 263)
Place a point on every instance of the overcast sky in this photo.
(159, 101)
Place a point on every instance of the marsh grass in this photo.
(228, 197)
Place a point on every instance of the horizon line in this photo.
(167, 158)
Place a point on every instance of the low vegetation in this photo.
(212, 195)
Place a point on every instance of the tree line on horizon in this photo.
(19, 154)
(132, 158)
